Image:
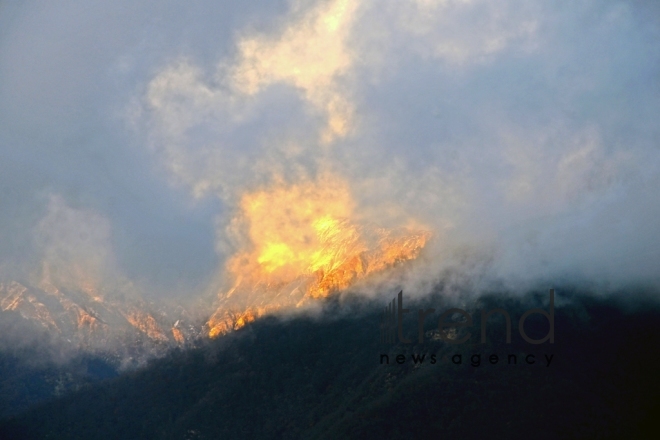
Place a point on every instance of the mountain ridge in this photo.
(321, 378)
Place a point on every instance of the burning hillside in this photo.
(301, 242)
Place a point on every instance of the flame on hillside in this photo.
(302, 242)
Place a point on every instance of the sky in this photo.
(522, 134)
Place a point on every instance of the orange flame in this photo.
(300, 243)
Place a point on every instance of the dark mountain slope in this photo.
(35, 367)
(308, 378)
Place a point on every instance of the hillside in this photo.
(323, 378)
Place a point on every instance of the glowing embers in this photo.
(301, 242)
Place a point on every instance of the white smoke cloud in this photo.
(480, 119)
(522, 133)
(76, 249)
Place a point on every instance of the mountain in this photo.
(75, 320)
(54, 340)
(326, 377)
(281, 274)
(28, 377)
(288, 275)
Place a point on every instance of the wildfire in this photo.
(145, 323)
(301, 242)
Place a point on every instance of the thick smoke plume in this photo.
(521, 136)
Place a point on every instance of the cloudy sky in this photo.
(523, 134)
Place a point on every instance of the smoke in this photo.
(76, 248)
(522, 134)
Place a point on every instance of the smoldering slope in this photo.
(523, 135)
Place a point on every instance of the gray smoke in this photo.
(522, 133)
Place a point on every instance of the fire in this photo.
(178, 336)
(145, 323)
(302, 242)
